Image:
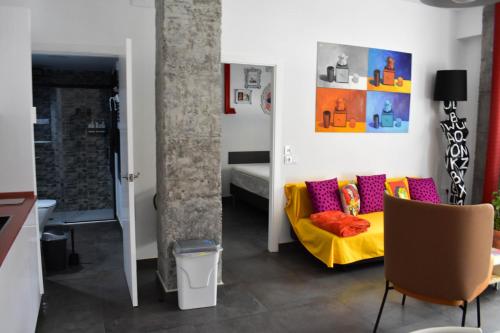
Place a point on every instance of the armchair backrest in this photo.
(440, 251)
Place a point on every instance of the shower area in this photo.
(74, 136)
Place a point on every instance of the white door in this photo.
(125, 203)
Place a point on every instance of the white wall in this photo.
(468, 22)
(288, 32)
(16, 122)
(468, 27)
(100, 27)
(250, 128)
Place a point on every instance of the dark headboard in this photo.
(248, 157)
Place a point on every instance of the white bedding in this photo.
(261, 170)
(252, 177)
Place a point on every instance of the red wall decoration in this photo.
(492, 169)
(227, 90)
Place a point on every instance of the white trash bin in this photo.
(197, 263)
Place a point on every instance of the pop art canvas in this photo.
(342, 66)
(340, 110)
(387, 112)
(362, 90)
(389, 71)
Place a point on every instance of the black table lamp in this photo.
(450, 87)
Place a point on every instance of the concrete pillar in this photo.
(483, 114)
(188, 110)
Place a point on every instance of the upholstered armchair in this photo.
(437, 253)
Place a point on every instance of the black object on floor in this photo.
(74, 258)
(54, 250)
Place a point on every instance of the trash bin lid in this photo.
(195, 245)
(54, 236)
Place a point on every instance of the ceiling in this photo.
(81, 63)
(457, 3)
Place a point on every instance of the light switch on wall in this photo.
(289, 156)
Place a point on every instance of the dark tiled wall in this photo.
(72, 164)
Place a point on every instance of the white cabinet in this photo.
(19, 281)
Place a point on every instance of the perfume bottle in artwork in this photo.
(326, 118)
(330, 73)
(342, 69)
(389, 71)
(376, 77)
(387, 115)
(340, 113)
(376, 121)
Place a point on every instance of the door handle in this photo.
(132, 176)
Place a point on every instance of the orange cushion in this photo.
(349, 196)
(339, 223)
(398, 188)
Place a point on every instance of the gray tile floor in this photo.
(289, 291)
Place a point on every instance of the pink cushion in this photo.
(371, 192)
(423, 189)
(324, 195)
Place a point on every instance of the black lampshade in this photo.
(451, 85)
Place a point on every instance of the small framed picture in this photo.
(252, 77)
(242, 96)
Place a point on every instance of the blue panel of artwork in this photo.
(377, 59)
(387, 112)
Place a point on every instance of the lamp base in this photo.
(457, 153)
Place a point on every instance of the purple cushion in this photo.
(371, 193)
(423, 189)
(324, 195)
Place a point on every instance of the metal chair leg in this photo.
(478, 312)
(464, 309)
(381, 306)
(404, 300)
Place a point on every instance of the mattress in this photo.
(252, 177)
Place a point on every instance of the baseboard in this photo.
(158, 276)
(146, 263)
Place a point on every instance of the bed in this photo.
(250, 173)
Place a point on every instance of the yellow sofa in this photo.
(327, 247)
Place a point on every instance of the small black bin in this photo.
(54, 250)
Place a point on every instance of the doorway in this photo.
(80, 99)
(118, 253)
(75, 139)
